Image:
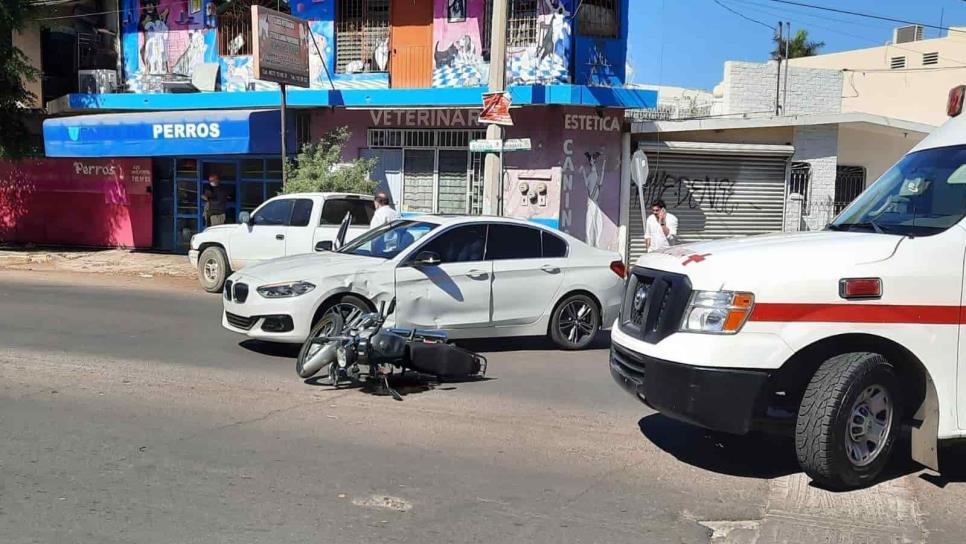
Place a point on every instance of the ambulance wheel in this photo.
(848, 420)
(213, 269)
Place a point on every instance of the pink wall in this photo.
(445, 32)
(576, 150)
(90, 202)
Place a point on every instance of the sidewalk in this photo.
(103, 261)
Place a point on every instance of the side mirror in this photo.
(324, 245)
(245, 218)
(426, 258)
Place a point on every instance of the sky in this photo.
(686, 42)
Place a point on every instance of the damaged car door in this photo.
(445, 283)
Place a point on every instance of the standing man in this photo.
(661, 227)
(216, 201)
(384, 212)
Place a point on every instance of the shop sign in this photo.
(606, 123)
(496, 109)
(424, 118)
(280, 45)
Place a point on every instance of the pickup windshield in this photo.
(923, 194)
(389, 240)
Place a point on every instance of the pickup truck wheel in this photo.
(848, 420)
(575, 322)
(213, 269)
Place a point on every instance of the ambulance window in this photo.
(923, 194)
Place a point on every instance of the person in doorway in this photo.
(661, 229)
(384, 212)
(216, 201)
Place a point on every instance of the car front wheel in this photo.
(848, 420)
(575, 322)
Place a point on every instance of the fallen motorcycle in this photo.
(363, 351)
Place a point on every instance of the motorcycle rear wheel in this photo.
(329, 325)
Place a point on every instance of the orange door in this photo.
(411, 64)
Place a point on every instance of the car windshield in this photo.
(923, 194)
(389, 240)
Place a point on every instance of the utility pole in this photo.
(778, 75)
(493, 164)
(281, 88)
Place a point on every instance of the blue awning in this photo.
(171, 133)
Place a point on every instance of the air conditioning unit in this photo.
(97, 81)
(906, 34)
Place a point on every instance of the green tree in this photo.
(798, 46)
(319, 168)
(15, 72)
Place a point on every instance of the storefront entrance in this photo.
(180, 183)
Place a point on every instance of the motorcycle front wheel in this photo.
(314, 356)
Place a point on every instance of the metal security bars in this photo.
(419, 138)
(598, 18)
(235, 26)
(849, 183)
(522, 23)
(361, 26)
(799, 179)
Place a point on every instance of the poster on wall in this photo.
(496, 109)
(280, 44)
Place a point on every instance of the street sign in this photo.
(494, 146)
(280, 46)
(496, 109)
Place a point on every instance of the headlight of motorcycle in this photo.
(717, 312)
(284, 290)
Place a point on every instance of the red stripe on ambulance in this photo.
(856, 313)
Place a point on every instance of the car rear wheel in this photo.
(848, 420)
(575, 322)
(213, 269)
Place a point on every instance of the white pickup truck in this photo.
(285, 225)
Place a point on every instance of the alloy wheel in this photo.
(576, 321)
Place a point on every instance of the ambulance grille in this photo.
(654, 304)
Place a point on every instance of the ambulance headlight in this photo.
(717, 312)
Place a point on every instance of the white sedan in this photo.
(469, 276)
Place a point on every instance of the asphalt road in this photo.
(129, 415)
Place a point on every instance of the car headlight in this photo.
(717, 312)
(287, 289)
(191, 243)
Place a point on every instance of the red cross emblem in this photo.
(695, 258)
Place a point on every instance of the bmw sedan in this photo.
(472, 277)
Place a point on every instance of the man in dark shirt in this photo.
(216, 200)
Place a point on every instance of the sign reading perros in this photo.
(280, 44)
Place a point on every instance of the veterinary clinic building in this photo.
(406, 78)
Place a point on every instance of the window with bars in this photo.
(394, 137)
(361, 28)
(799, 180)
(521, 29)
(235, 26)
(849, 184)
(487, 36)
(598, 18)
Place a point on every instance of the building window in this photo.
(598, 18)
(522, 23)
(303, 129)
(849, 184)
(487, 35)
(897, 63)
(361, 36)
(930, 58)
(798, 181)
(235, 26)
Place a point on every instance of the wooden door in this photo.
(411, 63)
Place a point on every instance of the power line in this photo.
(867, 15)
(745, 17)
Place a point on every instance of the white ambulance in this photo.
(845, 334)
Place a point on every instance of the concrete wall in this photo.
(877, 151)
(818, 146)
(749, 88)
(916, 93)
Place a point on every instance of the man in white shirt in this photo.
(661, 227)
(384, 212)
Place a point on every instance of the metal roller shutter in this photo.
(713, 195)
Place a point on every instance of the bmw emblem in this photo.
(640, 297)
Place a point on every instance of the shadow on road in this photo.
(524, 343)
(950, 464)
(272, 349)
(404, 384)
(756, 455)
